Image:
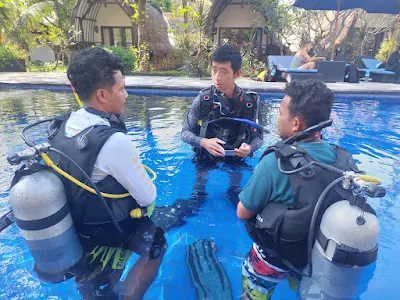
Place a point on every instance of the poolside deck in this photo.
(37, 80)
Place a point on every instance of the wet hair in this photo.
(226, 53)
(92, 69)
(310, 99)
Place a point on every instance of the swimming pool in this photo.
(368, 128)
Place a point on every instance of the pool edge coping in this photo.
(188, 91)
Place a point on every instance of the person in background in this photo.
(302, 60)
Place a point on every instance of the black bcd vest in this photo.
(244, 106)
(93, 223)
(282, 230)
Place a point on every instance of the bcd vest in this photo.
(280, 230)
(244, 106)
(93, 223)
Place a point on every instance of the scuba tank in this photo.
(39, 202)
(346, 246)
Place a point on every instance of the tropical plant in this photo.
(38, 66)
(280, 18)
(38, 22)
(8, 54)
(127, 56)
(251, 66)
(388, 46)
(161, 5)
(138, 15)
(193, 47)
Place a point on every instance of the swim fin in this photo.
(207, 273)
(175, 215)
(6, 220)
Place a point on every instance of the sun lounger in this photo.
(329, 71)
(377, 73)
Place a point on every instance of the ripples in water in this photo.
(369, 129)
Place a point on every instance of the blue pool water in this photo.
(368, 128)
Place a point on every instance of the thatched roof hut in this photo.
(216, 9)
(156, 31)
(109, 22)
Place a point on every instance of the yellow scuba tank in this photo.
(41, 212)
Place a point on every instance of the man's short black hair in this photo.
(226, 53)
(91, 69)
(310, 99)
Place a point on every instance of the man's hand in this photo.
(213, 146)
(243, 151)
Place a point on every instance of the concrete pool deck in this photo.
(59, 80)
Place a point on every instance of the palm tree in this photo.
(48, 22)
(7, 14)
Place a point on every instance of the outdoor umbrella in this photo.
(370, 6)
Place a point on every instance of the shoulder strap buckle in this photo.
(288, 150)
(55, 124)
(296, 156)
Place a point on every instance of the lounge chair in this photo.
(377, 73)
(329, 71)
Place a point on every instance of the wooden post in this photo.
(396, 28)
(336, 28)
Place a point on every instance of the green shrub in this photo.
(387, 47)
(251, 67)
(39, 66)
(194, 55)
(127, 56)
(8, 54)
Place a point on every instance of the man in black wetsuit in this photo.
(217, 138)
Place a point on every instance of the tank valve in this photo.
(28, 154)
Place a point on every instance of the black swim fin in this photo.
(175, 215)
(6, 220)
(207, 273)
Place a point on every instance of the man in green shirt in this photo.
(306, 103)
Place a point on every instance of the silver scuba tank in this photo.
(41, 212)
(345, 247)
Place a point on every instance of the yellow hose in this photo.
(77, 99)
(51, 164)
(369, 179)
